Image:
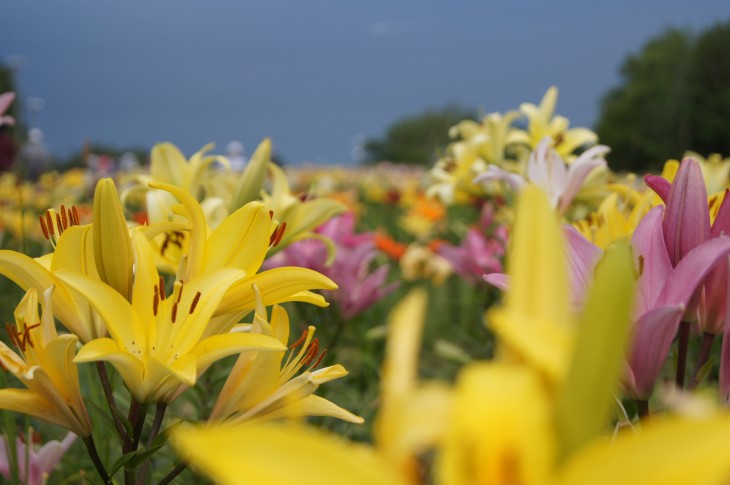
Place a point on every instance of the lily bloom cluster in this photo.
(159, 333)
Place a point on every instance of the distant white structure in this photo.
(235, 156)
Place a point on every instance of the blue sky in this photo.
(313, 74)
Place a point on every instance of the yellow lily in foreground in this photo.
(262, 385)
(158, 342)
(44, 363)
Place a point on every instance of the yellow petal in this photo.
(31, 403)
(120, 319)
(112, 247)
(129, 367)
(28, 273)
(168, 164)
(663, 452)
(217, 347)
(271, 454)
(241, 240)
(313, 405)
(278, 285)
(500, 428)
(535, 323)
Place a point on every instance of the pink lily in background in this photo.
(478, 254)
(6, 99)
(41, 461)
(358, 286)
(665, 292)
(545, 168)
(581, 255)
(686, 224)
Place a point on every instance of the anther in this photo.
(161, 288)
(64, 218)
(27, 340)
(49, 223)
(60, 226)
(271, 215)
(319, 360)
(75, 213)
(301, 339)
(174, 312)
(194, 302)
(44, 228)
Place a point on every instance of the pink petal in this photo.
(651, 259)
(687, 218)
(660, 185)
(691, 270)
(500, 280)
(582, 258)
(653, 335)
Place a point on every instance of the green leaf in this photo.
(584, 402)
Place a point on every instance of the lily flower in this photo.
(44, 362)
(241, 241)
(301, 217)
(158, 342)
(358, 286)
(542, 123)
(547, 170)
(40, 462)
(76, 248)
(262, 385)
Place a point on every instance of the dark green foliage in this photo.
(674, 97)
(417, 139)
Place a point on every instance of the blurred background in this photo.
(338, 82)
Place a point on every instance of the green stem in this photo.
(682, 348)
(173, 474)
(705, 349)
(94, 454)
(109, 394)
(156, 425)
(642, 408)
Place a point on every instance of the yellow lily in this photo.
(75, 249)
(300, 217)
(241, 241)
(169, 166)
(158, 342)
(262, 385)
(44, 364)
(112, 245)
(542, 123)
(412, 415)
(276, 453)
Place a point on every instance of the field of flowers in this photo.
(517, 314)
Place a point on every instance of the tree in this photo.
(417, 139)
(674, 97)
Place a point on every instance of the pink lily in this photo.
(41, 461)
(358, 287)
(664, 292)
(481, 251)
(6, 99)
